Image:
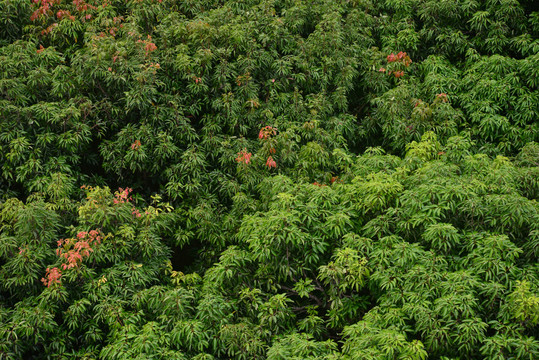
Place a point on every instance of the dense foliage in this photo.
(296, 179)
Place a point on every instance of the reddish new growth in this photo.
(244, 157)
(114, 29)
(442, 97)
(49, 29)
(122, 196)
(401, 58)
(149, 46)
(44, 8)
(136, 145)
(82, 6)
(65, 14)
(266, 132)
(270, 163)
(52, 276)
(74, 250)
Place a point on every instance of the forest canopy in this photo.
(269, 179)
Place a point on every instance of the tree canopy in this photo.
(263, 179)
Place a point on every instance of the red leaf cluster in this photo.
(74, 250)
(266, 132)
(149, 46)
(136, 145)
(52, 276)
(122, 196)
(402, 59)
(244, 157)
(44, 8)
(270, 163)
(442, 97)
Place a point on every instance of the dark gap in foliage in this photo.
(184, 257)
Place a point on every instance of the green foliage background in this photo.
(400, 222)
